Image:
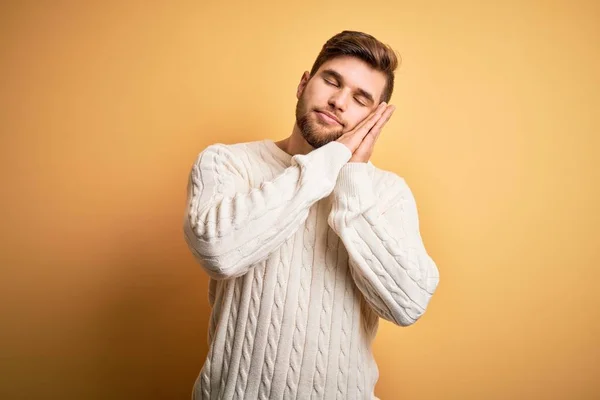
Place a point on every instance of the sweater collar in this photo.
(282, 155)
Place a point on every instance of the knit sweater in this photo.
(304, 254)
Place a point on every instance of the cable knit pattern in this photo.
(397, 276)
(304, 253)
(325, 319)
(248, 343)
(293, 375)
(275, 327)
(347, 316)
(230, 332)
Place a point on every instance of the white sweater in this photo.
(304, 253)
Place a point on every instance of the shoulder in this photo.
(237, 155)
(387, 179)
(241, 149)
(245, 160)
(390, 186)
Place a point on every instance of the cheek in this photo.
(318, 93)
(308, 99)
(358, 117)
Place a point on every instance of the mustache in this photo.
(325, 110)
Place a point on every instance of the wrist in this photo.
(354, 186)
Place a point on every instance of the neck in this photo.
(295, 143)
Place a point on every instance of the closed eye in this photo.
(360, 102)
(330, 82)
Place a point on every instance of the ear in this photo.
(303, 81)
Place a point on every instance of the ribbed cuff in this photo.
(321, 167)
(341, 150)
(356, 185)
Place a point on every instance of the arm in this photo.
(229, 226)
(378, 224)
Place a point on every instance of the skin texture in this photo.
(348, 89)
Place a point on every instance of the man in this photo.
(306, 242)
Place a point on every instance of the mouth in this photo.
(328, 117)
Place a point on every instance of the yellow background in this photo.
(104, 106)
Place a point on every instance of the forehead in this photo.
(357, 74)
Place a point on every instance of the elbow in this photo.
(408, 314)
(401, 309)
(403, 318)
(397, 314)
(217, 267)
(403, 321)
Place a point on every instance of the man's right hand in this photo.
(353, 138)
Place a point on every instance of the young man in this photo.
(306, 242)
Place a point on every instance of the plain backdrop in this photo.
(104, 106)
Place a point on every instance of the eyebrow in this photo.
(338, 76)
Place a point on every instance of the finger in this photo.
(376, 130)
(368, 141)
(367, 145)
(359, 132)
(365, 126)
(371, 137)
(380, 108)
(368, 122)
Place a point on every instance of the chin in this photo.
(315, 133)
(317, 138)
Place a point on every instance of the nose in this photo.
(339, 100)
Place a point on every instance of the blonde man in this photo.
(306, 242)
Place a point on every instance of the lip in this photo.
(328, 117)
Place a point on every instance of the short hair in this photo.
(361, 45)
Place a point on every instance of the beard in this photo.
(315, 133)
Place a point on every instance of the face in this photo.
(342, 93)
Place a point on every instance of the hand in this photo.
(361, 139)
(365, 150)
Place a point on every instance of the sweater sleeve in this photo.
(230, 226)
(379, 227)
